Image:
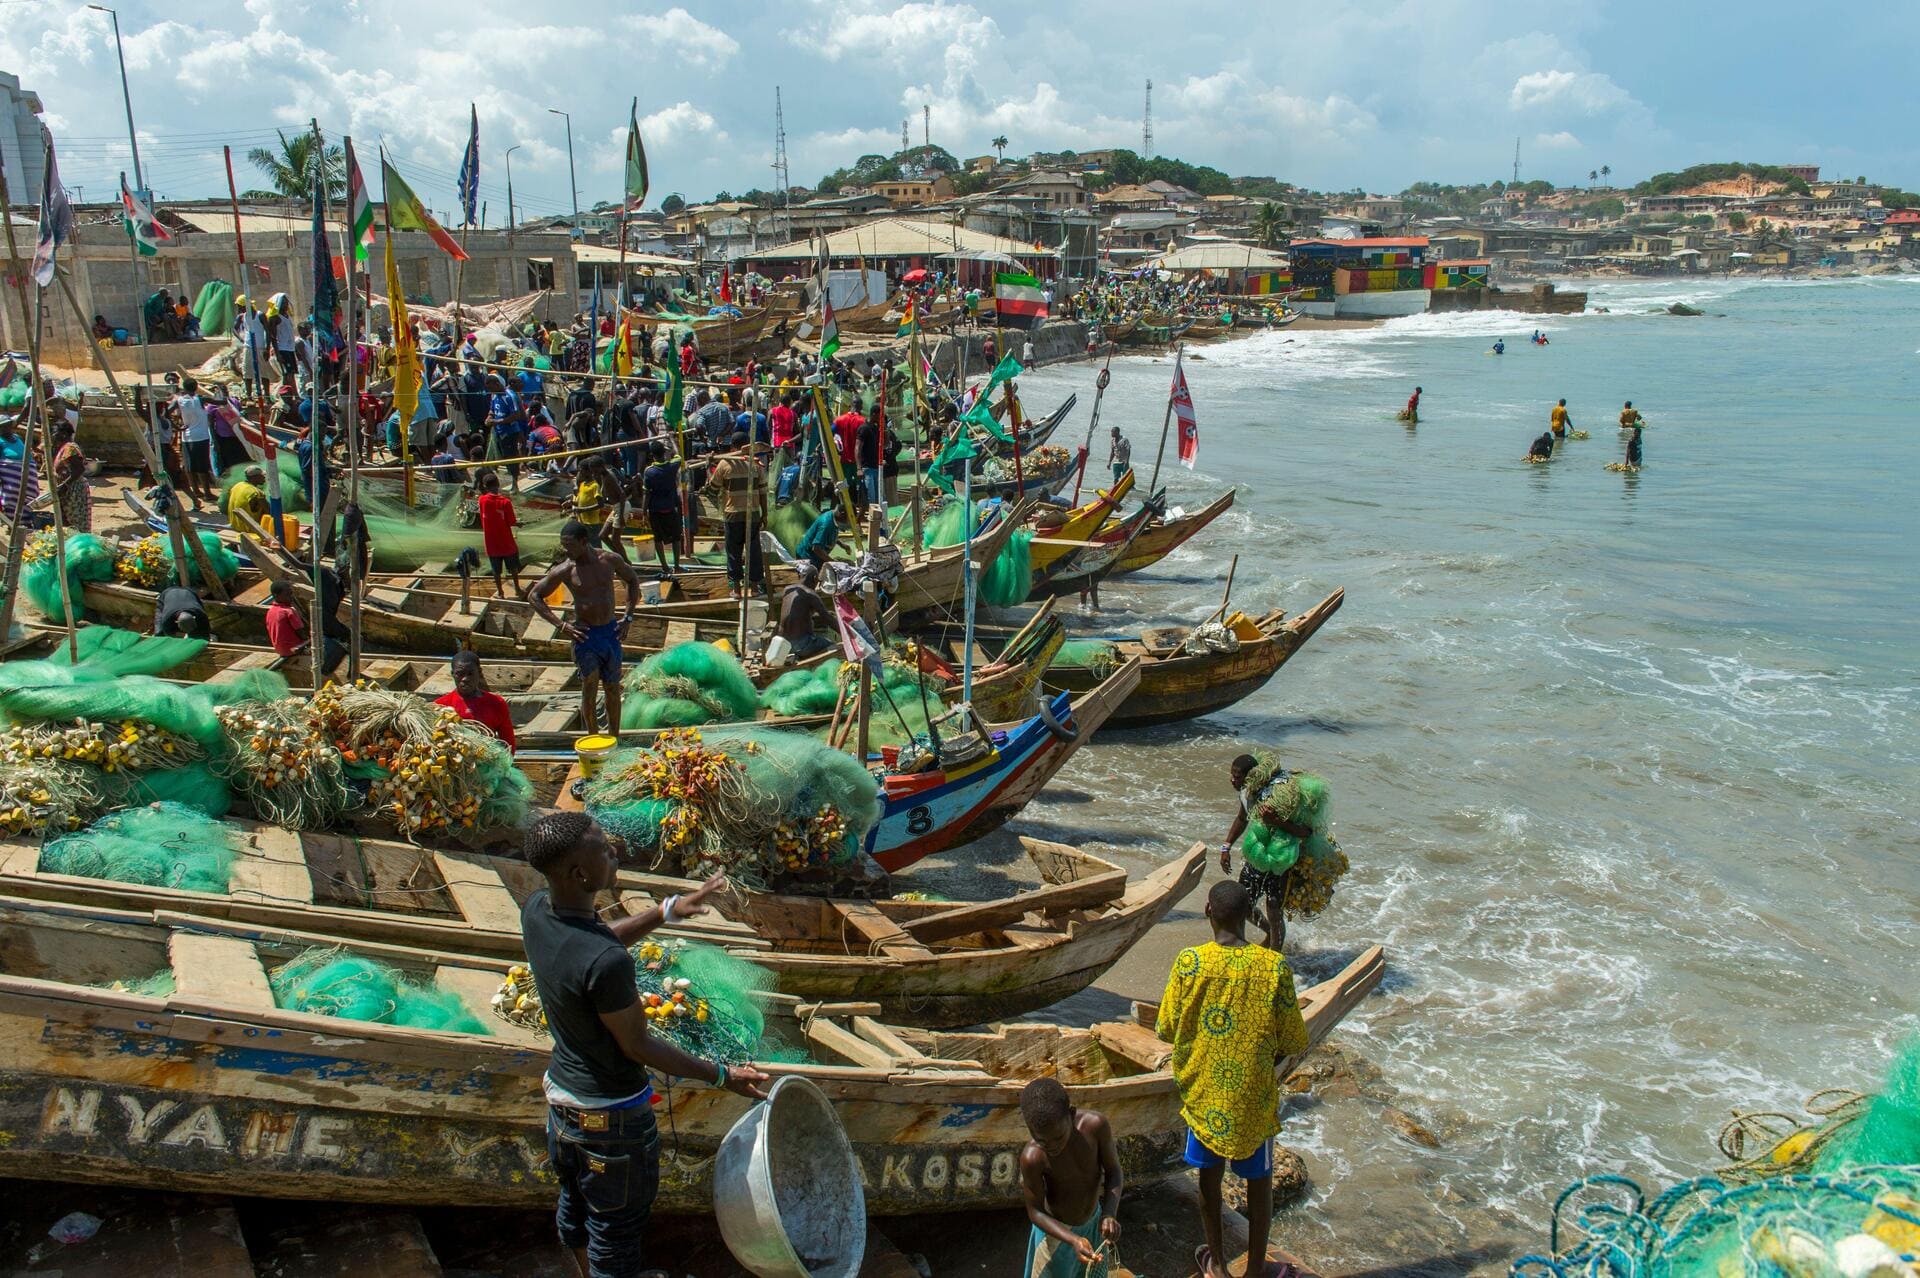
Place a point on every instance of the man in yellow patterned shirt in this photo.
(1232, 1016)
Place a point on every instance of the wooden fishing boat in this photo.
(1082, 562)
(1119, 330)
(925, 962)
(1057, 533)
(1175, 686)
(215, 1089)
(1161, 537)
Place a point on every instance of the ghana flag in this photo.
(1019, 300)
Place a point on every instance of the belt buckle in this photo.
(591, 1120)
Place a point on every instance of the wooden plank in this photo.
(273, 869)
(836, 1041)
(382, 670)
(476, 988)
(480, 895)
(551, 679)
(539, 629)
(883, 1037)
(223, 970)
(21, 859)
(242, 664)
(386, 596)
(560, 716)
(1101, 889)
(881, 932)
(681, 632)
(1135, 1043)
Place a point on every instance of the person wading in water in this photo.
(588, 574)
(1261, 886)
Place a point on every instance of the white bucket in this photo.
(786, 1188)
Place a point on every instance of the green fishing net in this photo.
(701, 998)
(902, 701)
(335, 982)
(226, 564)
(1889, 1130)
(157, 985)
(1098, 657)
(163, 844)
(789, 521)
(403, 539)
(1008, 580)
(688, 684)
(214, 308)
(15, 394)
(192, 785)
(107, 652)
(187, 711)
(88, 559)
(1276, 798)
(753, 801)
(806, 691)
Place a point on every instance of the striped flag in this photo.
(1183, 413)
(1019, 300)
(470, 171)
(56, 220)
(909, 323)
(359, 209)
(636, 160)
(829, 328)
(142, 227)
(405, 212)
(406, 359)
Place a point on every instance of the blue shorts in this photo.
(1255, 1165)
(599, 654)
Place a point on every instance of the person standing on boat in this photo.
(1271, 889)
(471, 700)
(1232, 1015)
(602, 1143)
(588, 573)
(1119, 455)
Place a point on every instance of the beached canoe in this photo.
(1175, 686)
(926, 963)
(214, 1089)
(1162, 536)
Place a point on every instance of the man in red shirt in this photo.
(846, 433)
(285, 630)
(471, 700)
(497, 522)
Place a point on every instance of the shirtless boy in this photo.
(1069, 1171)
(588, 574)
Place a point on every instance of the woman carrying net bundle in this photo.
(1268, 889)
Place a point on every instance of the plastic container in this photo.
(786, 1188)
(778, 652)
(592, 753)
(290, 532)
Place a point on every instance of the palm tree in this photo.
(1593, 175)
(1270, 225)
(1606, 171)
(290, 169)
(999, 146)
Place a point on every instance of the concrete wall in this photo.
(1409, 301)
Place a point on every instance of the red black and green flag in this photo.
(1019, 299)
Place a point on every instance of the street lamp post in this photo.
(510, 151)
(126, 96)
(572, 182)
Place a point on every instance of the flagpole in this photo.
(316, 432)
(240, 275)
(1166, 421)
(466, 222)
(16, 543)
(350, 255)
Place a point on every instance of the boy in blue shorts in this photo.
(588, 573)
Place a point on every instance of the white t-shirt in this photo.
(193, 417)
(284, 334)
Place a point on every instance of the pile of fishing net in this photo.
(753, 802)
(1276, 797)
(902, 700)
(166, 845)
(1847, 1129)
(155, 985)
(687, 685)
(698, 997)
(427, 768)
(403, 538)
(332, 981)
(1008, 580)
(1835, 1199)
(213, 307)
(1098, 657)
(146, 562)
(286, 769)
(789, 521)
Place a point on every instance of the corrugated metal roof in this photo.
(1221, 257)
(602, 254)
(250, 223)
(900, 237)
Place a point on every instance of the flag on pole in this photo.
(829, 328)
(406, 358)
(726, 284)
(1183, 413)
(56, 219)
(673, 405)
(325, 297)
(636, 160)
(359, 209)
(142, 227)
(405, 212)
(623, 348)
(1019, 300)
(470, 170)
(909, 323)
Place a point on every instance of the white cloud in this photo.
(688, 38)
(1561, 141)
(676, 122)
(1587, 91)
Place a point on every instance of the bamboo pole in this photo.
(317, 436)
(15, 542)
(350, 251)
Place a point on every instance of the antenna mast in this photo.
(906, 143)
(1146, 125)
(1516, 162)
(782, 179)
(926, 125)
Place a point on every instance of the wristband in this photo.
(666, 909)
(722, 1080)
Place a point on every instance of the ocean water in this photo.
(1626, 765)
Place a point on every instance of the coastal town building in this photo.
(22, 153)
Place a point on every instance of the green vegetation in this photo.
(1129, 168)
(290, 169)
(1695, 175)
(869, 169)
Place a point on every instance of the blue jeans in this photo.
(608, 1179)
(870, 476)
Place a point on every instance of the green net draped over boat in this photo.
(293, 491)
(809, 690)
(721, 1020)
(686, 685)
(334, 982)
(164, 844)
(226, 564)
(403, 539)
(192, 785)
(897, 715)
(1098, 657)
(1889, 1130)
(107, 652)
(88, 559)
(789, 522)
(1275, 799)
(748, 800)
(1008, 580)
(187, 711)
(214, 308)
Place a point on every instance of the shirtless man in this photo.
(1069, 1172)
(588, 574)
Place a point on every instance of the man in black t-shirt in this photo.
(662, 483)
(601, 1139)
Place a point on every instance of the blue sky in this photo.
(1330, 96)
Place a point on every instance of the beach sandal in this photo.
(1201, 1255)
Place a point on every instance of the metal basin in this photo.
(786, 1188)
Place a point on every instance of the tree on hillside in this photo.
(1593, 175)
(290, 169)
(969, 183)
(1606, 171)
(1270, 225)
(999, 146)
(1736, 221)
(674, 203)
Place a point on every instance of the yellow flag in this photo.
(406, 356)
(623, 348)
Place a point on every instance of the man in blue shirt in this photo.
(509, 425)
(822, 535)
(753, 422)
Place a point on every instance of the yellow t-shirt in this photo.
(1231, 1013)
(587, 504)
(1559, 416)
(241, 497)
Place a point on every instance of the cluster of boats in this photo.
(907, 1009)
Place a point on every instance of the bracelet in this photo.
(722, 1080)
(666, 909)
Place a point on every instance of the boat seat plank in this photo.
(558, 717)
(836, 1040)
(551, 679)
(382, 670)
(1100, 889)
(539, 629)
(437, 685)
(274, 869)
(256, 594)
(476, 988)
(1135, 1043)
(879, 930)
(480, 895)
(224, 970)
(885, 1039)
(681, 632)
(22, 859)
(454, 619)
(386, 596)
(244, 663)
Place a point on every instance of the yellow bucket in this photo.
(592, 753)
